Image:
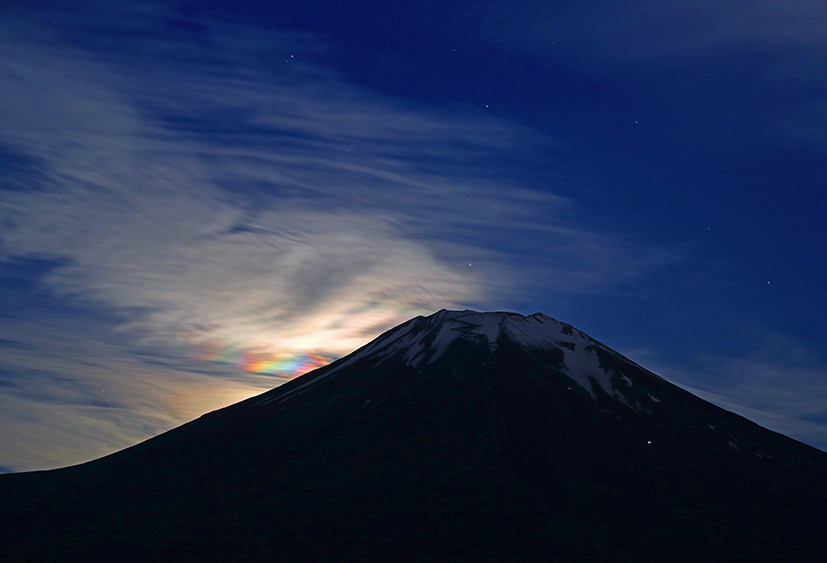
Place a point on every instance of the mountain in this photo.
(458, 436)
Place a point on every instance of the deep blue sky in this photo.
(197, 196)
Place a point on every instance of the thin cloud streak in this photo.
(794, 426)
(780, 386)
(341, 215)
(220, 270)
(344, 218)
(72, 395)
(771, 50)
(654, 30)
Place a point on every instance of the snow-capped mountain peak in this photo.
(455, 422)
(422, 341)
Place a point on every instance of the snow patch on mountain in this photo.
(538, 330)
(424, 340)
(581, 362)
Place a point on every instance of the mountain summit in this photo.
(424, 340)
(461, 435)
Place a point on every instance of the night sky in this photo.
(199, 201)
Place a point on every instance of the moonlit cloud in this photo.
(780, 385)
(654, 29)
(142, 202)
(72, 390)
(662, 28)
(150, 232)
(766, 53)
(243, 199)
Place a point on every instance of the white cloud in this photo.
(335, 203)
(71, 392)
(136, 211)
(221, 196)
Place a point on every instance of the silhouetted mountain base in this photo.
(422, 446)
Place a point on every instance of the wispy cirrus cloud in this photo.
(781, 385)
(753, 65)
(216, 199)
(238, 195)
(656, 30)
(78, 391)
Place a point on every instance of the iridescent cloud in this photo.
(282, 364)
(212, 199)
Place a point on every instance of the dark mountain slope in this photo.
(457, 436)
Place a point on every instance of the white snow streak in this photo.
(581, 364)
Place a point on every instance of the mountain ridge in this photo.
(459, 435)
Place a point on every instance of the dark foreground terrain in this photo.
(460, 436)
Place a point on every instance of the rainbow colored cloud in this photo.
(279, 364)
